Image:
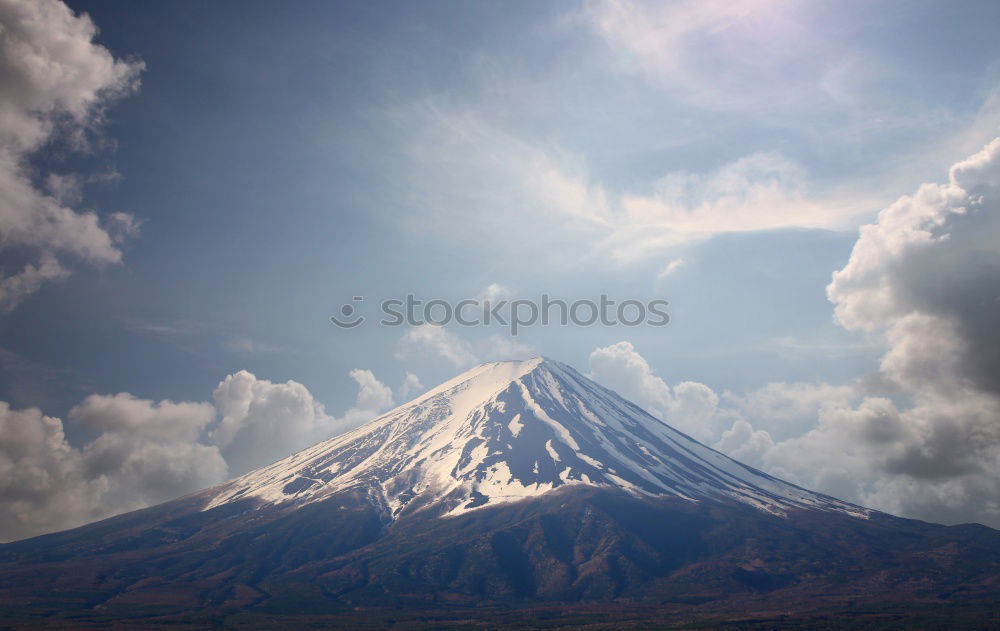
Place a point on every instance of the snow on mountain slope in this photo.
(507, 431)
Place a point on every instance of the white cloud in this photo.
(54, 85)
(410, 387)
(672, 266)
(68, 188)
(430, 341)
(725, 422)
(691, 407)
(744, 443)
(247, 346)
(927, 231)
(125, 413)
(263, 421)
(621, 368)
(42, 483)
(141, 471)
(758, 192)
(926, 275)
(15, 288)
(762, 55)
(788, 409)
(533, 192)
(373, 397)
(755, 193)
(493, 292)
(500, 348)
(924, 279)
(146, 452)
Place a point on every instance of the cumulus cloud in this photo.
(744, 443)
(264, 421)
(125, 413)
(926, 275)
(938, 459)
(145, 452)
(410, 387)
(148, 451)
(930, 265)
(788, 409)
(925, 280)
(141, 471)
(55, 84)
(42, 482)
(689, 406)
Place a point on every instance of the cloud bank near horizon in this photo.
(146, 452)
(920, 437)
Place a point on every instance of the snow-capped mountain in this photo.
(506, 431)
(516, 484)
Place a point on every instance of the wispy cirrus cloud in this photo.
(686, 45)
(541, 195)
(434, 342)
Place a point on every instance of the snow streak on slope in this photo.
(507, 431)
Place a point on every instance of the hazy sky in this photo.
(197, 187)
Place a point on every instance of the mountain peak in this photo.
(507, 431)
(488, 372)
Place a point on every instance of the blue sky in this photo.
(277, 160)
